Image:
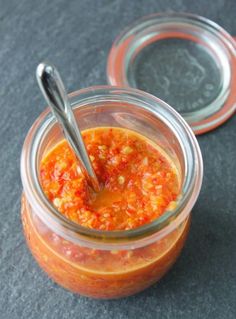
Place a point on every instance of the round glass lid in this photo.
(186, 60)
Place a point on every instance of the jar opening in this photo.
(128, 108)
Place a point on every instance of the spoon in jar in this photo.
(54, 92)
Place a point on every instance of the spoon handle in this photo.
(54, 92)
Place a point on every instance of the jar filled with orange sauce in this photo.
(121, 240)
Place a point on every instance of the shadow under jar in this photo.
(110, 264)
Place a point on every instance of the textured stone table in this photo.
(76, 36)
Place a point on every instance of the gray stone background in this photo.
(76, 36)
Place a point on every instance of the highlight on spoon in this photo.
(54, 92)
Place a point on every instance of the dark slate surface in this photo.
(76, 36)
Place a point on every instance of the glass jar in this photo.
(110, 264)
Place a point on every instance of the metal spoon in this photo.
(55, 95)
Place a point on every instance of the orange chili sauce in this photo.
(139, 182)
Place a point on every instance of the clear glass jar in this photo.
(113, 264)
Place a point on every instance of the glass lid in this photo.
(186, 60)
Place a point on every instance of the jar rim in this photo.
(33, 190)
(158, 26)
